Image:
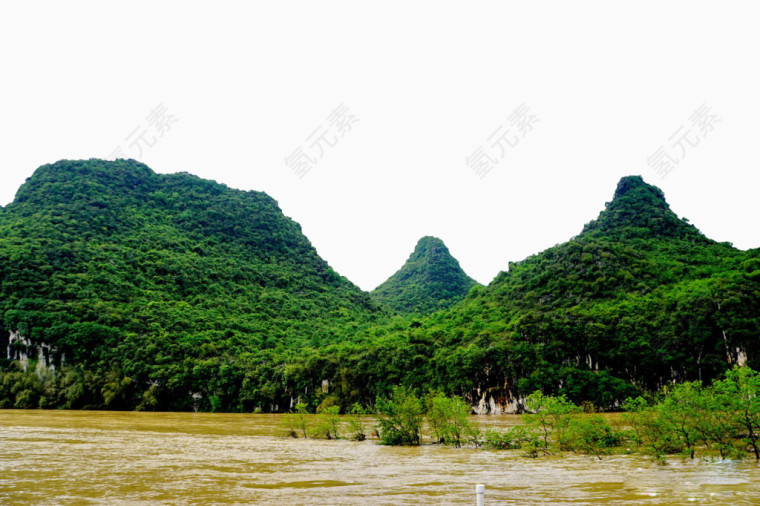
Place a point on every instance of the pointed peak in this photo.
(639, 209)
(632, 183)
(431, 279)
(635, 184)
(429, 244)
(427, 240)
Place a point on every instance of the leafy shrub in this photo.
(448, 417)
(400, 418)
(593, 435)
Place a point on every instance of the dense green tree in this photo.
(448, 418)
(739, 394)
(401, 418)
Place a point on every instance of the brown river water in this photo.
(87, 457)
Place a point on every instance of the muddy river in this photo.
(86, 457)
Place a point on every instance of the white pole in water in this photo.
(480, 490)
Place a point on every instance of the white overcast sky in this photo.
(605, 85)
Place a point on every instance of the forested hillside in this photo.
(639, 299)
(430, 280)
(152, 288)
(170, 292)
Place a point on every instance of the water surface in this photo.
(87, 457)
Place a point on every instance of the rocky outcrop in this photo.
(24, 350)
(486, 403)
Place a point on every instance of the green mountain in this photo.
(636, 301)
(430, 280)
(169, 292)
(639, 210)
(144, 289)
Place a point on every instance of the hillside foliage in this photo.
(430, 280)
(170, 292)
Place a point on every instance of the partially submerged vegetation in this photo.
(687, 419)
(325, 424)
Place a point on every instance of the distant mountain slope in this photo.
(430, 280)
(636, 301)
(170, 283)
